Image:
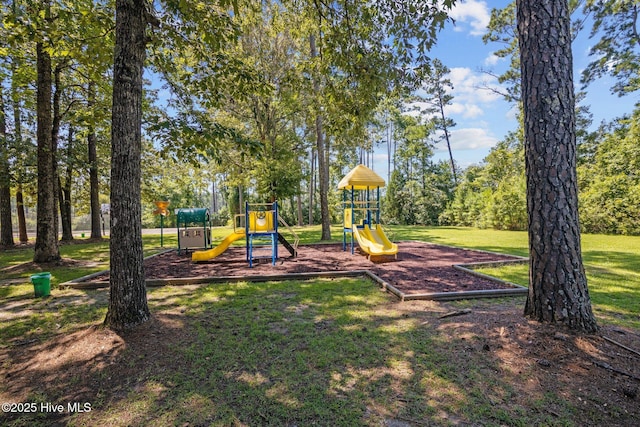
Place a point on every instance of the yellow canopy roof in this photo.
(360, 178)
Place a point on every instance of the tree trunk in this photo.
(323, 178)
(128, 296)
(65, 192)
(299, 206)
(17, 123)
(94, 186)
(389, 130)
(312, 185)
(64, 197)
(557, 281)
(6, 228)
(214, 197)
(46, 247)
(323, 164)
(55, 134)
(22, 221)
(446, 137)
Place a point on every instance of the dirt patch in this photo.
(418, 268)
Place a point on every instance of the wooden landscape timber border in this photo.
(514, 290)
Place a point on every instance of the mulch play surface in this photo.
(419, 267)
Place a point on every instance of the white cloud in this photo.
(512, 114)
(470, 87)
(469, 111)
(454, 108)
(468, 139)
(492, 60)
(472, 12)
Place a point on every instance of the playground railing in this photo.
(296, 238)
(238, 222)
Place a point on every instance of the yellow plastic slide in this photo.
(214, 252)
(374, 242)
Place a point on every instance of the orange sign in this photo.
(162, 207)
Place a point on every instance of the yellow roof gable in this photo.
(360, 178)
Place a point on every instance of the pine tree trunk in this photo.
(128, 296)
(17, 123)
(46, 247)
(6, 228)
(557, 281)
(94, 186)
(55, 134)
(446, 137)
(64, 198)
(64, 195)
(323, 164)
(300, 220)
(214, 197)
(22, 222)
(312, 185)
(323, 178)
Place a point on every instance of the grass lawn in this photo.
(612, 264)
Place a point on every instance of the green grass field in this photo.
(612, 262)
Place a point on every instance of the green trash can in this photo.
(41, 284)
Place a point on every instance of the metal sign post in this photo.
(162, 211)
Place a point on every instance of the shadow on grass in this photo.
(327, 352)
(28, 319)
(613, 259)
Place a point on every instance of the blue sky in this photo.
(482, 117)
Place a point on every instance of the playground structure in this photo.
(362, 213)
(259, 226)
(194, 228)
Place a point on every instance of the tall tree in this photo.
(64, 189)
(6, 229)
(46, 247)
(188, 54)
(268, 45)
(323, 161)
(23, 149)
(557, 282)
(128, 296)
(93, 53)
(438, 87)
(92, 158)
